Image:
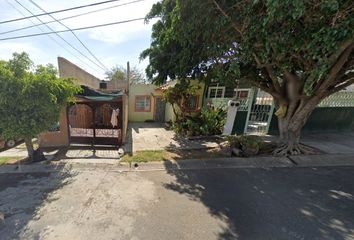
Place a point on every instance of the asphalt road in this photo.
(280, 203)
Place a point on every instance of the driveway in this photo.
(99, 203)
(155, 136)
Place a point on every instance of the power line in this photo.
(74, 29)
(69, 17)
(59, 11)
(73, 33)
(56, 33)
(53, 39)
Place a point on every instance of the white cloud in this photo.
(38, 56)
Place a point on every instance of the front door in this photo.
(160, 110)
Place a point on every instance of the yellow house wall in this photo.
(151, 90)
(140, 90)
(169, 115)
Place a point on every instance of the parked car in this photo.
(7, 143)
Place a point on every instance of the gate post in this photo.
(249, 107)
(270, 116)
(94, 127)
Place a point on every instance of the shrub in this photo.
(209, 121)
(250, 145)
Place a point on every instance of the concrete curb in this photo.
(82, 165)
(191, 164)
(260, 162)
(323, 160)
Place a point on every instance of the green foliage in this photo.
(31, 101)
(298, 51)
(119, 73)
(146, 156)
(5, 159)
(239, 38)
(179, 94)
(209, 121)
(247, 142)
(213, 121)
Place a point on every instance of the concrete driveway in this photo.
(98, 203)
(155, 136)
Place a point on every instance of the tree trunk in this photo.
(290, 127)
(29, 146)
(289, 138)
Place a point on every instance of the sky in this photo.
(112, 45)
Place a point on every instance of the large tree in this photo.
(31, 98)
(119, 73)
(299, 51)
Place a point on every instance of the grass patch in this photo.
(162, 155)
(5, 159)
(146, 156)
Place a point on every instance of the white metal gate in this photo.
(260, 113)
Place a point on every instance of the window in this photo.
(216, 92)
(142, 104)
(241, 93)
(103, 85)
(192, 103)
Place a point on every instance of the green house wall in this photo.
(324, 119)
(240, 122)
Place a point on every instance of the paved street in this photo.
(279, 203)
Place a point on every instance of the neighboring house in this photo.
(143, 99)
(219, 94)
(146, 102)
(69, 69)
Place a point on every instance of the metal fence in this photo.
(260, 113)
(339, 99)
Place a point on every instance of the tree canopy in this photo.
(31, 97)
(178, 96)
(298, 51)
(119, 73)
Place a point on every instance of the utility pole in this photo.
(128, 77)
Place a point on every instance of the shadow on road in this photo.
(300, 203)
(22, 195)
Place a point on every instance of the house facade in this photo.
(98, 117)
(255, 115)
(146, 102)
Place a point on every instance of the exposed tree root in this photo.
(292, 149)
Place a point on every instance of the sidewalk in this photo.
(337, 148)
(20, 151)
(331, 143)
(109, 165)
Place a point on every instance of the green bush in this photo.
(209, 121)
(244, 141)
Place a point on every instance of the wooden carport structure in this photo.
(89, 121)
(96, 118)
